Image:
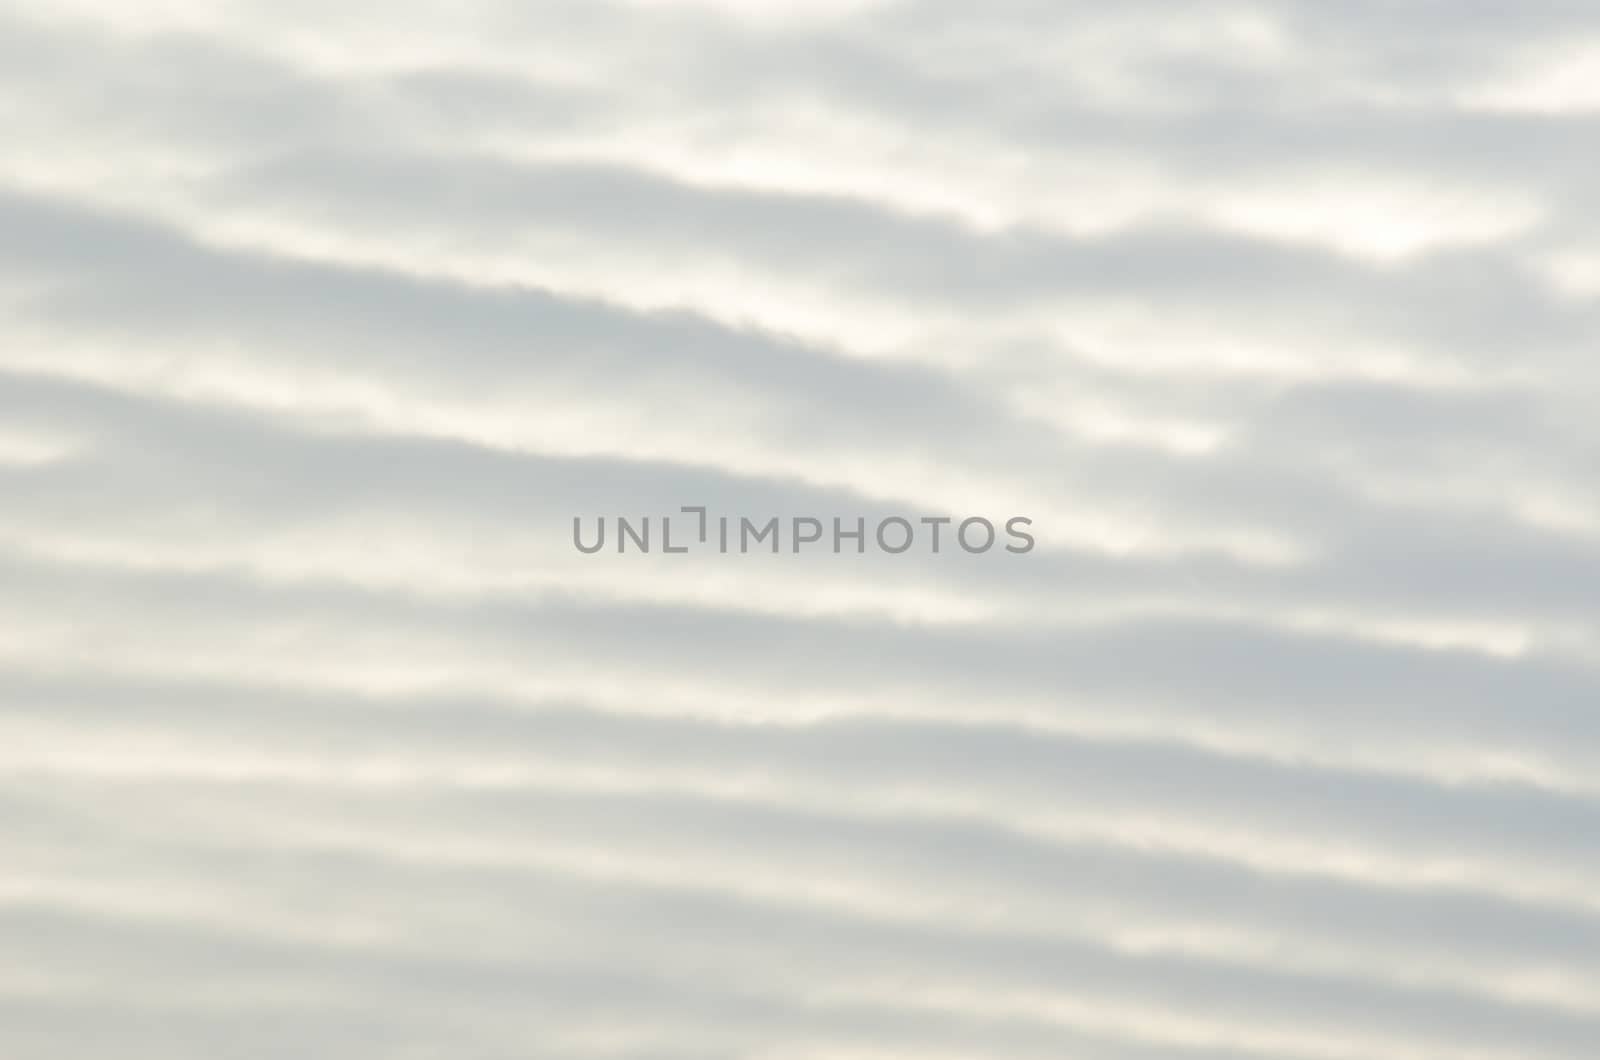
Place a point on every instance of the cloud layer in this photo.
(322, 322)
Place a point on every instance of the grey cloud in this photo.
(318, 738)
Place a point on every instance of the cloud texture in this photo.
(322, 321)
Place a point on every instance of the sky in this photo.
(323, 322)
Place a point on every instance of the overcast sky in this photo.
(321, 322)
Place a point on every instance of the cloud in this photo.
(318, 737)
